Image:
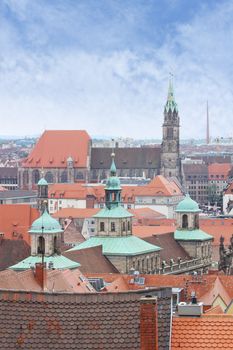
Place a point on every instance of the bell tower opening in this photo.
(185, 221)
(41, 245)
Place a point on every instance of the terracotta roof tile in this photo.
(79, 213)
(146, 231)
(55, 146)
(16, 219)
(219, 171)
(212, 332)
(85, 321)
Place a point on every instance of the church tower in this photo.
(170, 153)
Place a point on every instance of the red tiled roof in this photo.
(146, 213)
(55, 146)
(76, 191)
(219, 171)
(66, 321)
(205, 332)
(217, 228)
(16, 219)
(55, 281)
(146, 231)
(76, 213)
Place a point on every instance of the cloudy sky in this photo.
(103, 65)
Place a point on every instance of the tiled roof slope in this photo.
(79, 213)
(72, 321)
(16, 219)
(170, 248)
(126, 158)
(55, 146)
(206, 332)
(12, 252)
(219, 171)
(92, 260)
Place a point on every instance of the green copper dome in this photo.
(45, 224)
(42, 182)
(187, 205)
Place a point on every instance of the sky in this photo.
(104, 66)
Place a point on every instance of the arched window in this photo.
(113, 227)
(35, 176)
(102, 226)
(25, 178)
(123, 226)
(64, 177)
(196, 221)
(55, 247)
(49, 177)
(128, 225)
(185, 221)
(80, 175)
(41, 245)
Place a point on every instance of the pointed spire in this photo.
(171, 104)
(170, 96)
(113, 165)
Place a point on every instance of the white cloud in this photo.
(119, 91)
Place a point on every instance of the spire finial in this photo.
(170, 96)
(113, 165)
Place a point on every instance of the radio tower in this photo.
(207, 126)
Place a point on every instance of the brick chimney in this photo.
(149, 323)
(40, 274)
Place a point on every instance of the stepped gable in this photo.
(85, 321)
(126, 158)
(55, 146)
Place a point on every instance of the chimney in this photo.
(40, 274)
(148, 323)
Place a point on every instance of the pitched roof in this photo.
(115, 212)
(92, 260)
(76, 213)
(126, 158)
(170, 248)
(146, 231)
(195, 169)
(16, 219)
(124, 245)
(55, 281)
(55, 146)
(192, 235)
(166, 186)
(13, 251)
(219, 171)
(205, 332)
(67, 190)
(58, 262)
(65, 321)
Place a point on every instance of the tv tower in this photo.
(207, 126)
